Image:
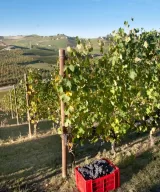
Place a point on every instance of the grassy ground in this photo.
(35, 164)
(2, 93)
(41, 55)
(40, 65)
(40, 52)
(2, 47)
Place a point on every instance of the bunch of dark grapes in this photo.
(98, 168)
(149, 120)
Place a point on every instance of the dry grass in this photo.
(2, 93)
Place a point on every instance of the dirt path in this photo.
(6, 88)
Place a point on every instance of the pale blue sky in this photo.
(84, 18)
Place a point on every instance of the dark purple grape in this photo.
(96, 169)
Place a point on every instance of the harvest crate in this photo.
(102, 184)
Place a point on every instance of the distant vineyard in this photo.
(11, 66)
(33, 96)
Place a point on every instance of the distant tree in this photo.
(108, 36)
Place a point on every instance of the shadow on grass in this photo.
(15, 132)
(133, 135)
(155, 188)
(132, 165)
(6, 117)
(19, 47)
(91, 150)
(141, 173)
(27, 164)
(47, 49)
(30, 184)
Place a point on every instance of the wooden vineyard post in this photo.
(15, 100)
(63, 137)
(27, 104)
(11, 104)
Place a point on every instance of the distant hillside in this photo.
(30, 41)
(17, 53)
(14, 37)
(42, 51)
(51, 42)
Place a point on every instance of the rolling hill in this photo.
(33, 51)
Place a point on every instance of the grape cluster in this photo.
(152, 120)
(96, 169)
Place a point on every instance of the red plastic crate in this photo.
(102, 184)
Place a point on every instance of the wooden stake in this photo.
(64, 147)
